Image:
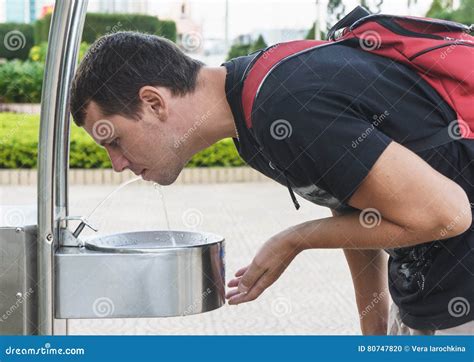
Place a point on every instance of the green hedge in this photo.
(41, 29)
(19, 144)
(16, 40)
(464, 14)
(238, 50)
(97, 24)
(167, 29)
(21, 81)
(38, 52)
(222, 153)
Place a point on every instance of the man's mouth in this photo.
(138, 173)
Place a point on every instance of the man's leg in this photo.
(398, 328)
(463, 329)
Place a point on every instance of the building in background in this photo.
(120, 6)
(3, 14)
(45, 10)
(23, 11)
(18, 11)
(190, 37)
(273, 36)
(189, 32)
(244, 39)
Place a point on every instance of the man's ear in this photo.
(155, 99)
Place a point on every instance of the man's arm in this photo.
(404, 202)
(413, 204)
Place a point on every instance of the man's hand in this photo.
(267, 266)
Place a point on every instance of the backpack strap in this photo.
(263, 64)
(358, 13)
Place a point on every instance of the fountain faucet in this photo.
(72, 239)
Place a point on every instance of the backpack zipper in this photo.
(456, 43)
(398, 29)
(449, 25)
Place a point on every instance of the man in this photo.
(330, 125)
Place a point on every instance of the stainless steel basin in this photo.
(152, 241)
(141, 274)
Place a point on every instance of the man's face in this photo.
(145, 146)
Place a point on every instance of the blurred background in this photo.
(210, 30)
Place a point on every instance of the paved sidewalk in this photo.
(314, 295)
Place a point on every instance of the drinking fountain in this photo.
(49, 275)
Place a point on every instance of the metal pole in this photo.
(53, 149)
(226, 27)
(317, 26)
(26, 12)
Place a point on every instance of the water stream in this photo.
(160, 194)
(165, 210)
(121, 186)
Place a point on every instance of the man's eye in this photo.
(114, 143)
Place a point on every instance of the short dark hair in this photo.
(117, 65)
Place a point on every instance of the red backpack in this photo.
(441, 52)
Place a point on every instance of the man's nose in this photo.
(119, 161)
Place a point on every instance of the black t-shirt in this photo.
(321, 120)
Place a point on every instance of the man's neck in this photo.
(215, 120)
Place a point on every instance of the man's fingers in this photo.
(241, 271)
(250, 277)
(233, 283)
(263, 283)
(231, 293)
